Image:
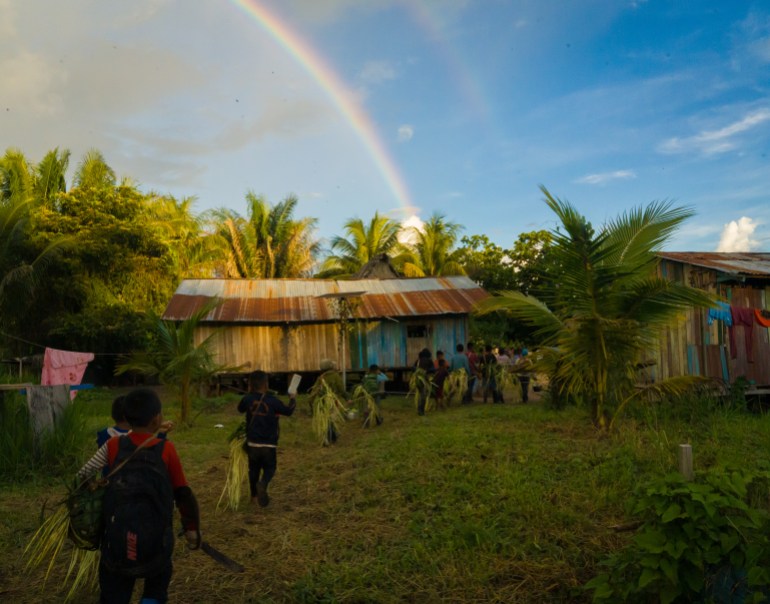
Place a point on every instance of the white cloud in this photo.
(408, 228)
(737, 236)
(376, 72)
(405, 133)
(721, 140)
(605, 177)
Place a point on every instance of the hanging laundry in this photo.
(64, 367)
(46, 405)
(742, 317)
(720, 313)
(762, 317)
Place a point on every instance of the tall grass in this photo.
(56, 451)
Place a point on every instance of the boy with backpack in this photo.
(262, 410)
(145, 478)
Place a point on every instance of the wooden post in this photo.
(685, 461)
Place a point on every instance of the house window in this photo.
(416, 331)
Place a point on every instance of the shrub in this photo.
(698, 541)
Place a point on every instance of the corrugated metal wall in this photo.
(302, 346)
(693, 347)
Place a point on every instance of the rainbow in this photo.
(338, 93)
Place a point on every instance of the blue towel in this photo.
(721, 313)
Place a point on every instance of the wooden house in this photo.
(291, 325)
(698, 346)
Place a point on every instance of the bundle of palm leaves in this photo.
(369, 408)
(237, 470)
(49, 541)
(455, 385)
(504, 379)
(421, 386)
(329, 413)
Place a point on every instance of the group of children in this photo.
(482, 371)
(145, 479)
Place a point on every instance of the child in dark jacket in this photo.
(262, 411)
(121, 425)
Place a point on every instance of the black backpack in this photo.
(138, 507)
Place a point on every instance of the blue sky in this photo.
(608, 104)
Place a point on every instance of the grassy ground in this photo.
(481, 503)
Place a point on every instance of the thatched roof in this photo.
(378, 267)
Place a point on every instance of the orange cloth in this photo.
(764, 322)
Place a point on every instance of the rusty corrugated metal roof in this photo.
(735, 263)
(299, 301)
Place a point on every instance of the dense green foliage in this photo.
(707, 540)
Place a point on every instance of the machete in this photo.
(221, 558)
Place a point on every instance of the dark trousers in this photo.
(262, 464)
(490, 387)
(117, 589)
(524, 380)
(471, 385)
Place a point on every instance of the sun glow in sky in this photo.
(409, 107)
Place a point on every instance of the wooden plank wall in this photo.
(302, 347)
(692, 347)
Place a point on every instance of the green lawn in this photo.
(481, 503)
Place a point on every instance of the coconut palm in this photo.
(607, 307)
(49, 175)
(433, 252)
(17, 177)
(190, 248)
(269, 244)
(93, 172)
(363, 243)
(175, 359)
(20, 263)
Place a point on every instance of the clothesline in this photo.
(43, 347)
(739, 316)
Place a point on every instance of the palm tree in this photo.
(606, 307)
(433, 252)
(190, 248)
(176, 359)
(17, 177)
(269, 244)
(49, 175)
(364, 242)
(21, 263)
(93, 172)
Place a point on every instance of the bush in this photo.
(706, 540)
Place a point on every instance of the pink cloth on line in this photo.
(64, 367)
(742, 316)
